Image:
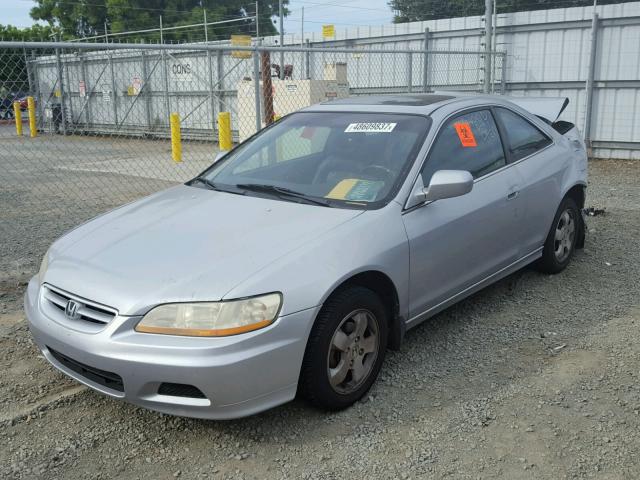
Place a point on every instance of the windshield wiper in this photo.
(208, 183)
(282, 192)
(213, 186)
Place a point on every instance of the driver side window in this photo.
(468, 142)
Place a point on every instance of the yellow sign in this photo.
(328, 31)
(241, 41)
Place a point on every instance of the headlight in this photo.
(43, 267)
(212, 319)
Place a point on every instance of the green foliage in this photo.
(86, 18)
(13, 70)
(35, 33)
(417, 10)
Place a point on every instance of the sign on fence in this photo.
(136, 85)
(241, 41)
(82, 88)
(181, 71)
(106, 94)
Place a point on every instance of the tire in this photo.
(560, 244)
(345, 350)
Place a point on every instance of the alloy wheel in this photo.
(353, 351)
(564, 235)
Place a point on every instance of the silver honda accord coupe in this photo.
(296, 260)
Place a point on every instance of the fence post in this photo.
(307, 61)
(589, 84)
(67, 82)
(425, 66)
(211, 93)
(256, 87)
(38, 93)
(176, 141)
(114, 93)
(146, 90)
(61, 89)
(17, 113)
(220, 77)
(503, 74)
(83, 72)
(31, 105)
(488, 20)
(267, 87)
(409, 72)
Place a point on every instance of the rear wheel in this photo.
(346, 349)
(561, 240)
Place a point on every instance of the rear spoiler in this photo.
(548, 108)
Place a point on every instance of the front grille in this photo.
(107, 379)
(86, 310)
(180, 390)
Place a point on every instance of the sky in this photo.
(342, 14)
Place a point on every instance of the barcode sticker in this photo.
(372, 127)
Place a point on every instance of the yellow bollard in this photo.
(18, 116)
(176, 142)
(31, 106)
(224, 131)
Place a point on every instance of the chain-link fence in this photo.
(99, 130)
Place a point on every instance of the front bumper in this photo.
(238, 375)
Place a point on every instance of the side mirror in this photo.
(447, 184)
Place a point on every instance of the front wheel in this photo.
(345, 350)
(560, 244)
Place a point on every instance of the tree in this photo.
(417, 10)
(86, 18)
(13, 69)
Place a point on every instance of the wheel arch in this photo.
(382, 285)
(578, 193)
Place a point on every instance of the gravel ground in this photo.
(534, 377)
(53, 182)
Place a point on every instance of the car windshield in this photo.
(333, 159)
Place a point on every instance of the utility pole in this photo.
(281, 41)
(302, 29)
(494, 45)
(488, 20)
(206, 34)
(257, 26)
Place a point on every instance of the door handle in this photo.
(512, 195)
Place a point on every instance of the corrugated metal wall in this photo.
(547, 55)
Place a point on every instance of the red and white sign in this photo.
(137, 85)
(82, 88)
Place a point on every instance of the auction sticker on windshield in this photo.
(373, 127)
(355, 189)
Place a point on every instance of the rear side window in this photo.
(522, 138)
(467, 142)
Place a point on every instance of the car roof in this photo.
(414, 100)
(427, 103)
(421, 103)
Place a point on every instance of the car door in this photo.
(456, 242)
(541, 165)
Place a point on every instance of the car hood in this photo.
(183, 244)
